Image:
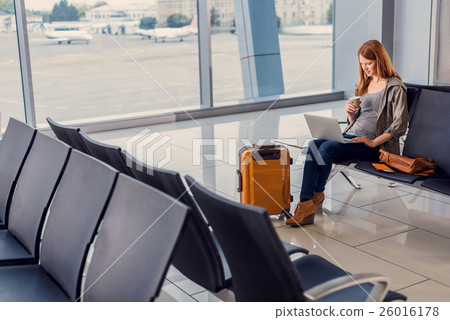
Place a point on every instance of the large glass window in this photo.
(11, 98)
(305, 46)
(227, 79)
(98, 61)
(305, 39)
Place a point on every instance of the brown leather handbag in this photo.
(419, 166)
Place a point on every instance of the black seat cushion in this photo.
(315, 270)
(11, 251)
(29, 283)
(438, 184)
(347, 162)
(396, 176)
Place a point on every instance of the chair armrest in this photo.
(291, 249)
(379, 290)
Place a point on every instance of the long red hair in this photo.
(374, 50)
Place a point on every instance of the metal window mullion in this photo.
(204, 53)
(25, 64)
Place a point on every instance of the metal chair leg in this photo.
(349, 178)
(336, 168)
(342, 169)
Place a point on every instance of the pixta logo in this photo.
(150, 148)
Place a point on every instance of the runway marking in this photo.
(63, 74)
(7, 61)
(11, 101)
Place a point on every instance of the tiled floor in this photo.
(401, 232)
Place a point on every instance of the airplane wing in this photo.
(146, 33)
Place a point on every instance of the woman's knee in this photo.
(330, 148)
(318, 152)
(314, 145)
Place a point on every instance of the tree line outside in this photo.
(62, 11)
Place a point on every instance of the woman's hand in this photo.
(367, 142)
(350, 109)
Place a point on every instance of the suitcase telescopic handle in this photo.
(266, 154)
(239, 174)
(264, 146)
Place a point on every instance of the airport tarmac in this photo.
(118, 76)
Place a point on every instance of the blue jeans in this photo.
(320, 157)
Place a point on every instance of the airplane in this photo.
(171, 33)
(65, 33)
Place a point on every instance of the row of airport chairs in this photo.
(242, 252)
(75, 229)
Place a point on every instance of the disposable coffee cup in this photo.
(356, 101)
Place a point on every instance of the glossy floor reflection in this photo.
(401, 232)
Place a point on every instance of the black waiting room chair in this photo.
(128, 229)
(74, 215)
(109, 154)
(36, 185)
(68, 134)
(14, 149)
(261, 269)
(135, 244)
(199, 256)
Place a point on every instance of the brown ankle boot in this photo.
(318, 199)
(304, 214)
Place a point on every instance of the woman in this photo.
(379, 123)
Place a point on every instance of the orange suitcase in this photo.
(264, 178)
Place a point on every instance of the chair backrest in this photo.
(197, 255)
(73, 219)
(68, 135)
(429, 130)
(14, 149)
(35, 189)
(107, 153)
(412, 96)
(135, 243)
(260, 266)
(442, 88)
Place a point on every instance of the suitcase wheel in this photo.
(287, 214)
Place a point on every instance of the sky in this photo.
(48, 4)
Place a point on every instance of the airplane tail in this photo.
(193, 26)
(193, 23)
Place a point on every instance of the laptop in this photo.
(326, 128)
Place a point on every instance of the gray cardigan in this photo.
(392, 114)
